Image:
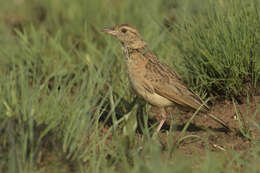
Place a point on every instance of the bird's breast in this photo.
(136, 74)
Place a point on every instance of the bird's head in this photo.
(127, 35)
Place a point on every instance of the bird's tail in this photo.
(219, 121)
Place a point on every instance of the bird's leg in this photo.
(163, 119)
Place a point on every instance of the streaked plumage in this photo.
(153, 80)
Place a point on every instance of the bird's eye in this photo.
(123, 30)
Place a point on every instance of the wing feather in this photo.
(167, 82)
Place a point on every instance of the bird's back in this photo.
(162, 80)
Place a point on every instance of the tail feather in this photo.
(219, 121)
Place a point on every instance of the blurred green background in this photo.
(60, 76)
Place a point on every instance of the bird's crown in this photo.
(128, 35)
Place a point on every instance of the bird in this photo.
(154, 81)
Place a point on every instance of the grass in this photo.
(219, 50)
(65, 103)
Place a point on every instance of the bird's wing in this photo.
(167, 83)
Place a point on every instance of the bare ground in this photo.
(239, 117)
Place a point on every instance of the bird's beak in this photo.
(110, 31)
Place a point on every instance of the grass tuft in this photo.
(65, 103)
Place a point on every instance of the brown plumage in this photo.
(153, 80)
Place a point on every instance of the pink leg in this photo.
(163, 116)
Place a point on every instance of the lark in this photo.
(154, 81)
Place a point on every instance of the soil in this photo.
(215, 136)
